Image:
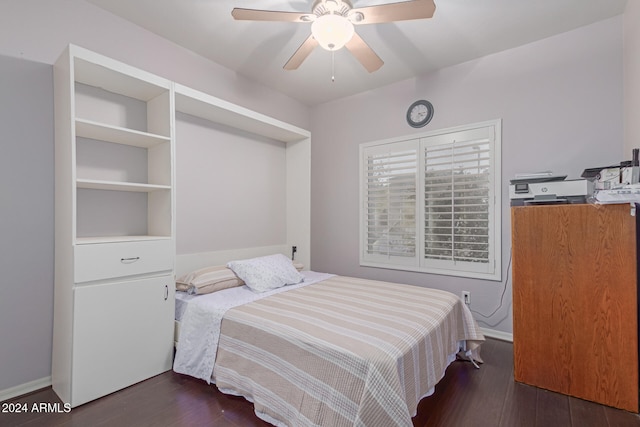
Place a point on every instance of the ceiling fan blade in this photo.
(301, 54)
(403, 11)
(270, 15)
(363, 53)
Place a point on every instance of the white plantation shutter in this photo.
(458, 200)
(433, 204)
(390, 202)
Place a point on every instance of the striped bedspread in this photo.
(342, 352)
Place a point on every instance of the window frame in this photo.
(488, 271)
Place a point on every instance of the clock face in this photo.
(419, 113)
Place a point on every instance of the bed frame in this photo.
(188, 262)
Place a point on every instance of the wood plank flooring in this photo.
(465, 397)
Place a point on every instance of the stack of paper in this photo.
(533, 175)
(627, 194)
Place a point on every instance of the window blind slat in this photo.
(457, 177)
(390, 199)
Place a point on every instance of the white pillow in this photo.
(267, 272)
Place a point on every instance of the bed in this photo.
(330, 350)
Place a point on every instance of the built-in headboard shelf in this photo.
(186, 263)
(199, 104)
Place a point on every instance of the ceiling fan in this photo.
(332, 25)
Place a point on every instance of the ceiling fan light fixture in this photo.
(332, 25)
(331, 31)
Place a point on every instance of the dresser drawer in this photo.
(108, 260)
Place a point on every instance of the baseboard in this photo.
(25, 388)
(499, 335)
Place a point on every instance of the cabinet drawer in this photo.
(108, 260)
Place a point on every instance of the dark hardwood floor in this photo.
(465, 397)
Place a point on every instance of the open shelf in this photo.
(204, 106)
(116, 239)
(94, 184)
(95, 70)
(119, 135)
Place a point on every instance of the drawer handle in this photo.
(166, 292)
(129, 260)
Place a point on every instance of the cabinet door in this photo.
(122, 334)
(575, 301)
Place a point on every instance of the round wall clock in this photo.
(419, 113)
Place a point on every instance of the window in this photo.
(432, 203)
(391, 194)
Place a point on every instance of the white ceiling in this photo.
(460, 30)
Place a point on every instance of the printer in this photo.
(524, 192)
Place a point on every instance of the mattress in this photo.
(200, 317)
(331, 351)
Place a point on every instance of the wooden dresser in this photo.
(575, 303)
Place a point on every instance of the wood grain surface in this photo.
(575, 301)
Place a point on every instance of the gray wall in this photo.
(26, 220)
(561, 104)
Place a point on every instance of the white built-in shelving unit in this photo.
(115, 229)
(115, 232)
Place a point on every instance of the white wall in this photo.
(226, 176)
(561, 104)
(631, 76)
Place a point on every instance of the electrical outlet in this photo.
(466, 297)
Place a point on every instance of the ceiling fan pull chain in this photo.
(333, 66)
